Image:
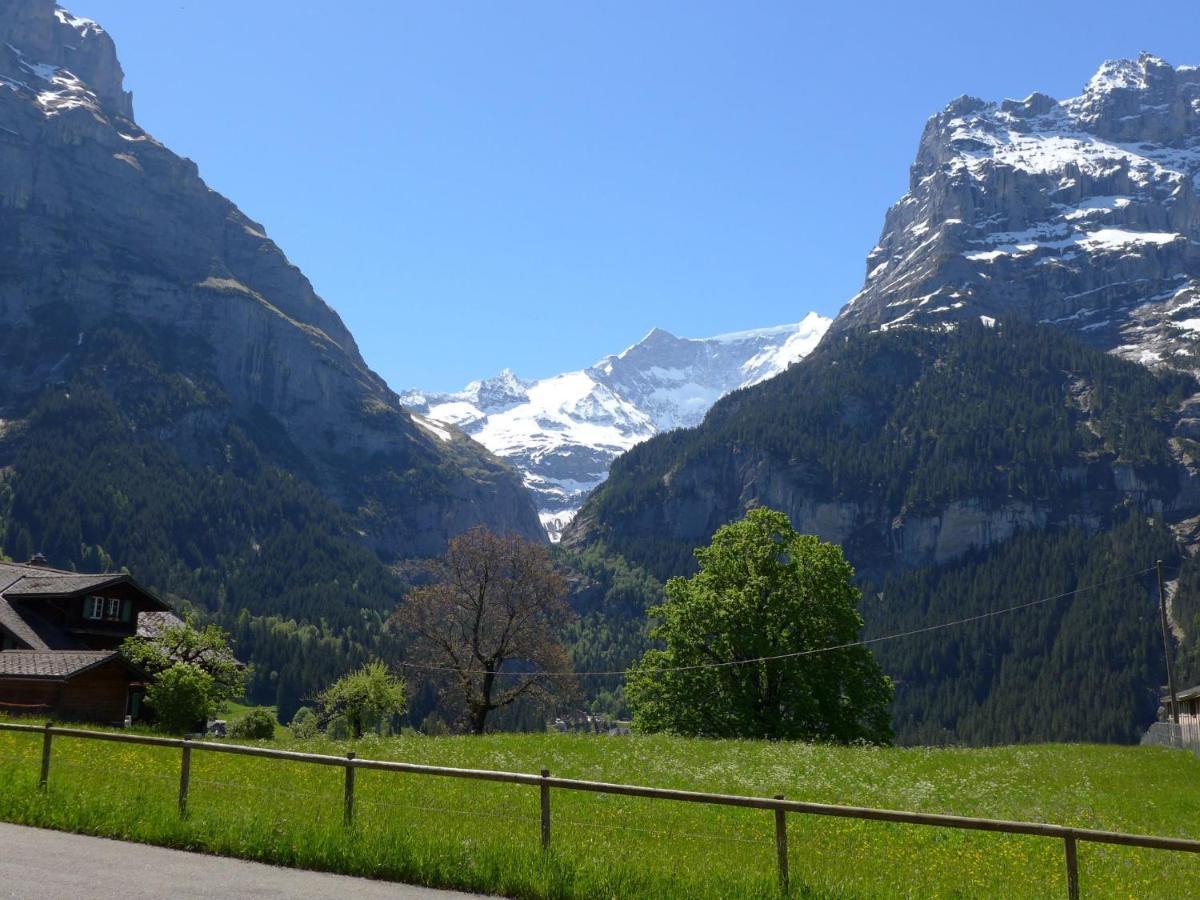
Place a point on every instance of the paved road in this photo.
(50, 865)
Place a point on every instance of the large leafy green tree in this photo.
(206, 648)
(763, 591)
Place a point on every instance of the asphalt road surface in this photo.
(50, 865)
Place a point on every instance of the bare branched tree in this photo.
(489, 620)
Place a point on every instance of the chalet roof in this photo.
(15, 622)
(152, 624)
(52, 665)
(1187, 694)
(21, 581)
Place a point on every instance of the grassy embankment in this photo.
(484, 837)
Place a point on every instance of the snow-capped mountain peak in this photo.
(1083, 212)
(562, 432)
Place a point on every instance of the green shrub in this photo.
(304, 724)
(257, 725)
(183, 697)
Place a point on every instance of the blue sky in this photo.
(536, 184)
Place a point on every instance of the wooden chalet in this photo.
(59, 634)
(1189, 715)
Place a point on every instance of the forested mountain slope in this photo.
(911, 448)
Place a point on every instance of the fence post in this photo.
(349, 812)
(1072, 869)
(185, 777)
(45, 778)
(781, 848)
(545, 790)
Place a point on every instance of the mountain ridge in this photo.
(562, 432)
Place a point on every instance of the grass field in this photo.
(484, 837)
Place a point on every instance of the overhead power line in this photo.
(799, 653)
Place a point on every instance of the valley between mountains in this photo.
(1007, 411)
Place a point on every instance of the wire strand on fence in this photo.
(274, 792)
(472, 814)
(669, 833)
(317, 812)
(99, 775)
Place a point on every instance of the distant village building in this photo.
(1189, 715)
(59, 634)
(1186, 735)
(588, 723)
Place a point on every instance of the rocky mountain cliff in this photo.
(563, 432)
(103, 227)
(1083, 213)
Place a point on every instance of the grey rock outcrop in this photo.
(100, 222)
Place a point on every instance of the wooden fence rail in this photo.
(544, 782)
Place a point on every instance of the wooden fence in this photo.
(778, 805)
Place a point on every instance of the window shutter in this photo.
(127, 611)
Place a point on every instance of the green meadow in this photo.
(485, 837)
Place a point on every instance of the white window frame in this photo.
(96, 611)
(113, 612)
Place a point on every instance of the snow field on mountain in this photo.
(562, 432)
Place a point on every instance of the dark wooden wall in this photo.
(98, 695)
(25, 696)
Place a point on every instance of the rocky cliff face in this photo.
(1082, 213)
(563, 432)
(100, 223)
(47, 36)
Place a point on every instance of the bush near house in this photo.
(257, 725)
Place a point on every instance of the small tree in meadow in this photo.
(304, 724)
(362, 698)
(194, 673)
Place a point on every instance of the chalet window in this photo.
(107, 609)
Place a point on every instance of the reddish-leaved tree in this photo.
(490, 620)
